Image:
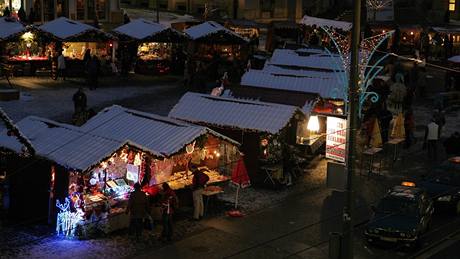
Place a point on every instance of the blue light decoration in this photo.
(367, 73)
(67, 221)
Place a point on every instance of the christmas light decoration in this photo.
(367, 73)
(377, 5)
(67, 220)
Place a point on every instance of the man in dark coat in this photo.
(168, 205)
(138, 209)
(79, 101)
(93, 69)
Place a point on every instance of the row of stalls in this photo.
(90, 170)
(151, 47)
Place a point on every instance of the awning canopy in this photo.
(320, 22)
(68, 30)
(142, 30)
(214, 33)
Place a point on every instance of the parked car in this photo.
(443, 186)
(401, 217)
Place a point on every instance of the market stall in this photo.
(92, 168)
(245, 28)
(211, 38)
(159, 48)
(263, 129)
(76, 39)
(23, 47)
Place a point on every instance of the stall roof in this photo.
(10, 27)
(233, 113)
(153, 132)
(278, 70)
(291, 58)
(62, 143)
(324, 87)
(141, 29)
(70, 30)
(320, 22)
(447, 30)
(210, 28)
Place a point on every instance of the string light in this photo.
(376, 5)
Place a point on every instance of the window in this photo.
(451, 5)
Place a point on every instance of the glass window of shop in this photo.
(97, 6)
(7, 3)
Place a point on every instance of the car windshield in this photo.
(397, 205)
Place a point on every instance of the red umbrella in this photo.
(241, 179)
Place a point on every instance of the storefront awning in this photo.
(74, 31)
(10, 27)
(147, 31)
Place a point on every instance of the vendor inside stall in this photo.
(99, 197)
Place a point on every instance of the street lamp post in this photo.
(353, 88)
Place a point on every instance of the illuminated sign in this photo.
(336, 138)
(132, 173)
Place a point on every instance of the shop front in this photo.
(210, 39)
(159, 49)
(78, 40)
(266, 131)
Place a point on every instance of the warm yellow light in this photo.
(408, 184)
(28, 36)
(411, 33)
(313, 123)
(452, 6)
(383, 31)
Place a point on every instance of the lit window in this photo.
(451, 5)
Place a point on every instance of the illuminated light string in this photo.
(368, 47)
(376, 5)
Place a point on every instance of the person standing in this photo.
(439, 119)
(137, 210)
(409, 127)
(79, 101)
(385, 117)
(61, 67)
(168, 205)
(94, 67)
(198, 183)
(431, 139)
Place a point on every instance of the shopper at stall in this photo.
(94, 70)
(138, 210)
(61, 67)
(198, 183)
(168, 203)
(79, 101)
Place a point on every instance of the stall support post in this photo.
(347, 243)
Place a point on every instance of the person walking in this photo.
(168, 203)
(431, 139)
(79, 101)
(198, 183)
(93, 68)
(61, 67)
(137, 210)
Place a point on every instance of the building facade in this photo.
(82, 10)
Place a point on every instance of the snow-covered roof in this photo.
(141, 29)
(325, 87)
(208, 28)
(64, 28)
(62, 143)
(320, 22)
(455, 59)
(155, 133)
(288, 57)
(233, 113)
(10, 27)
(277, 70)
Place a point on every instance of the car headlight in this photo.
(445, 198)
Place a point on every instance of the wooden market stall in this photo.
(263, 129)
(210, 38)
(159, 48)
(23, 47)
(75, 39)
(92, 168)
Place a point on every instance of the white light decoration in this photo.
(313, 123)
(132, 172)
(67, 220)
(377, 5)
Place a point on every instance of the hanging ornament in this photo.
(190, 148)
